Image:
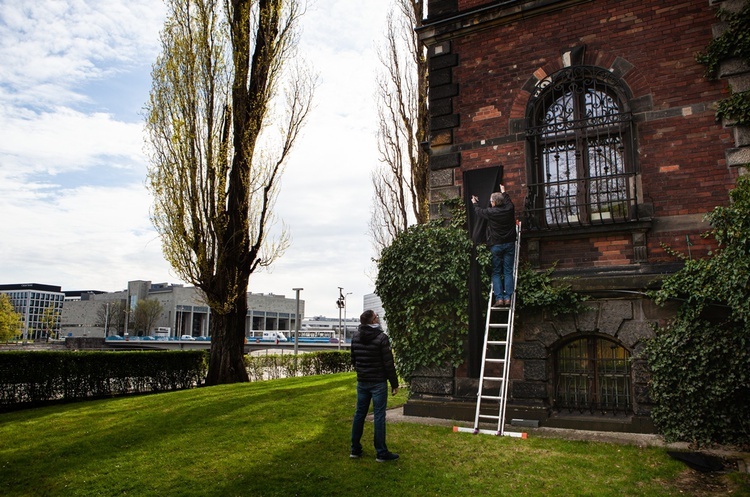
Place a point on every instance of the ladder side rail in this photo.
(509, 335)
(480, 387)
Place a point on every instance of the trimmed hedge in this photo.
(33, 378)
(269, 367)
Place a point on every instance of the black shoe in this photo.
(388, 456)
(355, 455)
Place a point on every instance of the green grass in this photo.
(291, 437)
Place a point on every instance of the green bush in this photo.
(32, 378)
(700, 362)
(274, 366)
(421, 281)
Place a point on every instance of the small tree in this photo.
(145, 315)
(11, 322)
(111, 317)
(51, 321)
(700, 361)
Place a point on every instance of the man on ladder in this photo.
(501, 237)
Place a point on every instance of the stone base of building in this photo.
(461, 410)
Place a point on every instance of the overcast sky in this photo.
(74, 76)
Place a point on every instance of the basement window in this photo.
(592, 374)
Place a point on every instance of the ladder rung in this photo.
(493, 378)
(494, 360)
(496, 342)
(489, 416)
(499, 325)
(490, 397)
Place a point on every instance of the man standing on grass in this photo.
(373, 360)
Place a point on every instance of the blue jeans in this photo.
(503, 258)
(378, 393)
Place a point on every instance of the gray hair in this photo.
(497, 198)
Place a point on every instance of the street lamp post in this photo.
(340, 303)
(296, 322)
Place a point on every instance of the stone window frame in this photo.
(609, 383)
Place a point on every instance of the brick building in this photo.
(599, 121)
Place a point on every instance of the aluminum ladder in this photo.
(495, 370)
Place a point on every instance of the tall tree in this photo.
(400, 182)
(216, 158)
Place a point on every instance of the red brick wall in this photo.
(680, 146)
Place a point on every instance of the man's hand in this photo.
(502, 189)
(394, 391)
(474, 199)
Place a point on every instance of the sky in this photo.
(74, 78)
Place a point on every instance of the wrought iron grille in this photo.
(582, 154)
(593, 374)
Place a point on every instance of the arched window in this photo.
(580, 134)
(593, 374)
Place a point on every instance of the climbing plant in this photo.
(422, 283)
(700, 361)
(733, 43)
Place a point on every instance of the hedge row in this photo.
(32, 378)
(269, 367)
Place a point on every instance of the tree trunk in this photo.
(226, 363)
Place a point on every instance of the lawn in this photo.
(291, 437)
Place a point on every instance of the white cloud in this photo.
(73, 77)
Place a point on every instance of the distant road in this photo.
(284, 347)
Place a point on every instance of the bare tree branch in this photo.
(400, 183)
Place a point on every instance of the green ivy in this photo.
(733, 43)
(700, 362)
(736, 108)
(422, 283)
(537, 289)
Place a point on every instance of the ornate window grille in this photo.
(582, 154)
(593, 374)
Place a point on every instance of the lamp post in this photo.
(340, 303)
(296, 322)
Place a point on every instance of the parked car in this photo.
(187, 337)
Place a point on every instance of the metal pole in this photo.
(340, 304)
(106, 320)
(296, 322)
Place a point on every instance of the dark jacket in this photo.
(371, 355)
(501, 221)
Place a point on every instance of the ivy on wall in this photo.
(700, 361)
(734, 43)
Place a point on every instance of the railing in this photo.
(559, 205)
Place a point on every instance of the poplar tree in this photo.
(400, 182)
(218, 147)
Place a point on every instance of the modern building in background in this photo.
(372, 301)
(93, 313)
(183, 311)
(39, 305)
